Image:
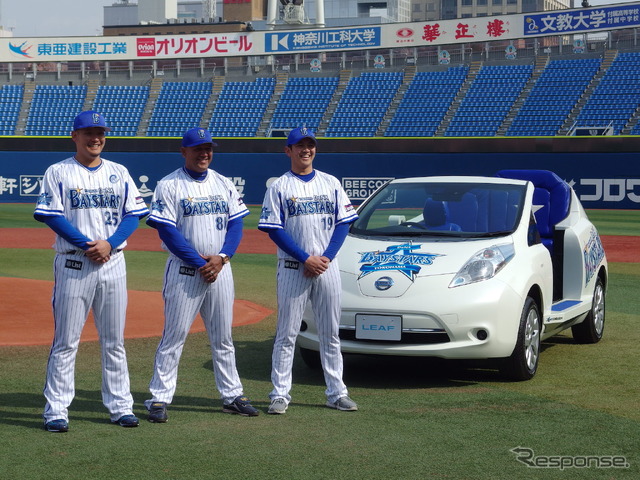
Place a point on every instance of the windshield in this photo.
(443, 209)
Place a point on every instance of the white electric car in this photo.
(469, 268)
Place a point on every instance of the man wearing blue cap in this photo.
(199, 217)
(93, 206)
(307, 215)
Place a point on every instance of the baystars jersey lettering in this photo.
(309, 206)
(214, 205)
(94, 198)
(181, 201)
(305, 210)
(94, 201)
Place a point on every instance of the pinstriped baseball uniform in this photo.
(94, 202)
(200, 210)
(308, 211)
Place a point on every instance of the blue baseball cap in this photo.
(298, 134)
(197, 136)
(90, 119)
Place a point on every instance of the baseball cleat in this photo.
(128, 421)
(343, 403)
(158, 412)
(278, 406)
(242, 406)
(57, 426)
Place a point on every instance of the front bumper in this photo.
(475, 321)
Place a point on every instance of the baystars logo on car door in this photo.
(402, 258)
(593, 253)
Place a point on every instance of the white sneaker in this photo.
(278, 406)
(344, 403)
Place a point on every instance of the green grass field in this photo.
(417, 418)
(609, 222)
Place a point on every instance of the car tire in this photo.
(591, 329)
(311, 358)
(523, 362)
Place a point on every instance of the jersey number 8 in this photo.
(221, 223)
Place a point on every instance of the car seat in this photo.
(551, 197)
(435, 216)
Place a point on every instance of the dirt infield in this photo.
(624, 249)
(34, 326)
(145, 239)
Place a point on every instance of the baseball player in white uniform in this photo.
(199, 217)
(93, 206)
(307, 214)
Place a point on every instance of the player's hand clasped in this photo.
(315, 265)
(99, 251)
(212, 268)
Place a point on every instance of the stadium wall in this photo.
(604, 171)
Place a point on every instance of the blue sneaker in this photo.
(158, 412)
(58, 426)
(128, 421)
(242, 406)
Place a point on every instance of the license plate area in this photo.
(378, 327)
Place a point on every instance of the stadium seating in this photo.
(363, 104)
(123, 107)
(304, 102)
(553, 96)
(488, 100)
(240, 108)
(53, 109)
(10, 103)
(617, 96)
(445, 101)
(179, 107)
(426, 102)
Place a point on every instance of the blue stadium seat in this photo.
(180, 106)
(372, 92)
(10, 105)
(553, 96)
(243, 103)
(123, 106)
(53, 109)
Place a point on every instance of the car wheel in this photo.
(311, 358)
(590, 330)
(523, 362)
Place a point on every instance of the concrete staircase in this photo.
(343, 81)
(409, 75)
(265, 124)
(607, 60)
(92, 91)
(474, 68)
(154, 91)
(538, 68)
(217, 86)
(633, 121)
(27, 97)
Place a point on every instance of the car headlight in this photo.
(484, 265)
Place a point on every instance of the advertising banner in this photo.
(585, 20)
(392, 35)
(615, 187)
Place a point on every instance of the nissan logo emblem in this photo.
(384, 283)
